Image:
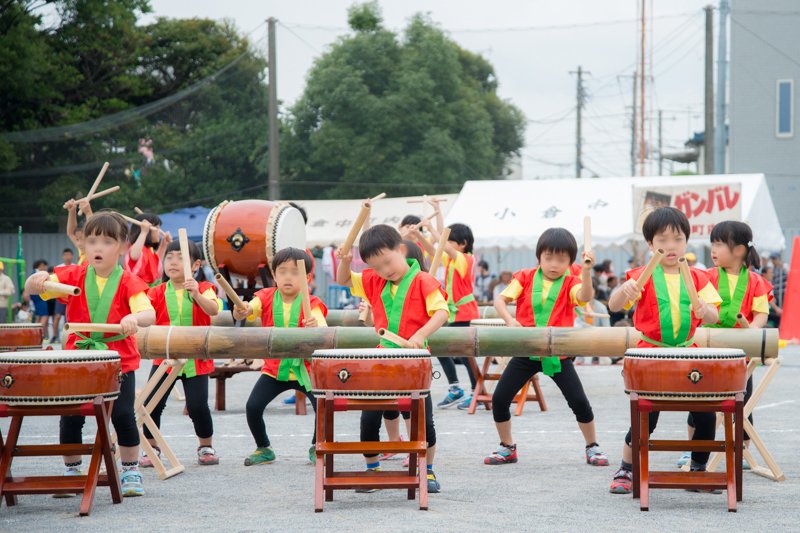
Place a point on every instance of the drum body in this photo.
(244, 234)
(58, 377)
(685, 373)
(15, 337)
(372, 373)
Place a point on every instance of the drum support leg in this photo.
(483, 394)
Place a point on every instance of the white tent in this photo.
(329, 221)
(512, 214)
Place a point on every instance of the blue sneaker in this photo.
(291, 400)
(453, 397)
(433, 486)
(465, 404)
(683, 459)
(132, 485)
(70, 471)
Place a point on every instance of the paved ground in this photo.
(551, 488)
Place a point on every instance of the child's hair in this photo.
(67, 250)
(410, 220)
(377, 238)
(734, 233)
(38, 263)
(302, 211)
(557, 240)
(662, 218)
(483, 264)
(462, 234)
(108, 224)
(194, 250)
(78, 227)
(293, 255)
(413, 251)
(153, 219)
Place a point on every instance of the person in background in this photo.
(501, 283)
(23, 313)
(40, 307)
(775, 312)
(60, 308)
(691, 258)
(779, 277)
(7, 292)
(483, 280)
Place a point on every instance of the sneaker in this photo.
(131, 481)
(386, 456)
(502, 455)
(595, 456)
(369, 490)
(262, 456)
(146, 462)
(291, 400)
(206, 455)
(623, 479)
(312, 454)
(745, 465)
(433, 485)
(70, 471)
(683, 459)
(452, 398)
(463, 406)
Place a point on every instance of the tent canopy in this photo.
(191, 218)
(513, 214)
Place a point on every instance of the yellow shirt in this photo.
(459, 264)
(433, 301)
(138, 302)
(760, 303)
(316, 312)
(514, 291)
(211, 294)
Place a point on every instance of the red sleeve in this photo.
(69, 275)
(761, 287)
(700, 278)
(522, 276)
(203, 286)
(634, 273)
(317, 302)
(134, 285)
(429, 284)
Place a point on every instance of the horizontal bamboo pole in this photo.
(89, 327)
(210, 342)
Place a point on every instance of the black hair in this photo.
(65, 250)
(38, 263)
(599, 269)
(107, 223)
(462, 234)
(194, 250)
(378, 238)
(557, 240)
(410, 220)
(135, 230)
(302, 211)
(413, 251)
(293, 255)
(483, 264)
(662, 218)
(734, 233)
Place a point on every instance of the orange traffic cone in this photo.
(790, 319)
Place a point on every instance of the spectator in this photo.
(41, 311)
(775, 311)
(23, 314)
(483, 280)
(7, 291)
(500, 284)
(779, 276)
(60, 309)
(691, 259)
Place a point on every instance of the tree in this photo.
(409, 114)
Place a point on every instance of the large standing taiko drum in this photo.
(15, 337)
(58, 377)
(244, 234)
(371, 373)
(685, 373)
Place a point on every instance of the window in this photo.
(784, 124)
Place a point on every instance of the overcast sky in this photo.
(532, 60)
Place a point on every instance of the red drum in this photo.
(14, 337)
(58, 377)
(685, 373)
(242, 235)
(371, 373)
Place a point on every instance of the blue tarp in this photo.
(191, 218)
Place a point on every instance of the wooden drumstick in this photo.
(427, 219)
(237, 302)
(104, 192)
(96, 183)
(186, 257)
(362, 217)
(437, 257)
(301, 265)
(742, 321)
(139, 223)
(391, 337)
(137, 210)
(689, 282)
(381, 196)
(61, 288)
(88, 327)
(363, 315)
(423, 200)
(658, 255)
(587, 237)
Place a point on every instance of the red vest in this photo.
(756, 286)
(267, 296)
(157, 296)
(464, 286)
(646, 316)
(562, 315)
(78, 310)
(148, 267)
(415, 311)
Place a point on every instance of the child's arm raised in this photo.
(72, 220)
(587, 291)
(135, 251)
(343, 274)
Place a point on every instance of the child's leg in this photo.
(391, 421)
(370, 432)
(159, 408)
(264, 391)
(472, 380)
(70, 431)
(518, 371)
(571, 387)
(449, 369)
(313, 401)
(704, 429)
(124, 420)
(407, 419)
(196, 390)
(430, 431)
(627, 450)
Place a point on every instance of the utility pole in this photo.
(708, 134)
(720, 132)
(643, 105)
(274, 148)
(633, 127)
(581, 99)
(660, 146)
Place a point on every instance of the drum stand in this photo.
(483, 395)
(644, 479)
(772, 470)
(100, 451)
(327, 480)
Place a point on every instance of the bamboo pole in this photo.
(742, 321)
(362, 217)
(96, 184)
(61, 288)
(138, 211)
(237, 302)
(391, 337)
(437, 256)
(186, 258)
(587, 237)
(209, 342)
(658, 255)
(689, 282)
(423, 200)
(89, 327)
(301, 265)
(381, 196)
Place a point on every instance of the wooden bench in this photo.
(224, 372)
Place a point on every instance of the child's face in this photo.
(102, 251)
(42, 267)
(458, 246)
(673, 242)
(721, 254)
(288, 278)
(79, 238)
(67, 257)
(390, 264)
(173, 266)
(554, 264)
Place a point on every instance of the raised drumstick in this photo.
(427, 219)
(437, 257)
(237, 302)
(423, 200)
(301, 265)
(139, 223)
(96, 183)
(186, 257)
(658, 255)
(137, 210)
(381, 196)
(587, 237)
(689, 282)
(362, 217)
(391, 337)
(104, 192)
(88, 327)
(61, 288)
(742, 321)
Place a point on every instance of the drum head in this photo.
(288, 231)
(370, 353)
(58, 356)
(492, 322)
(685, 353)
